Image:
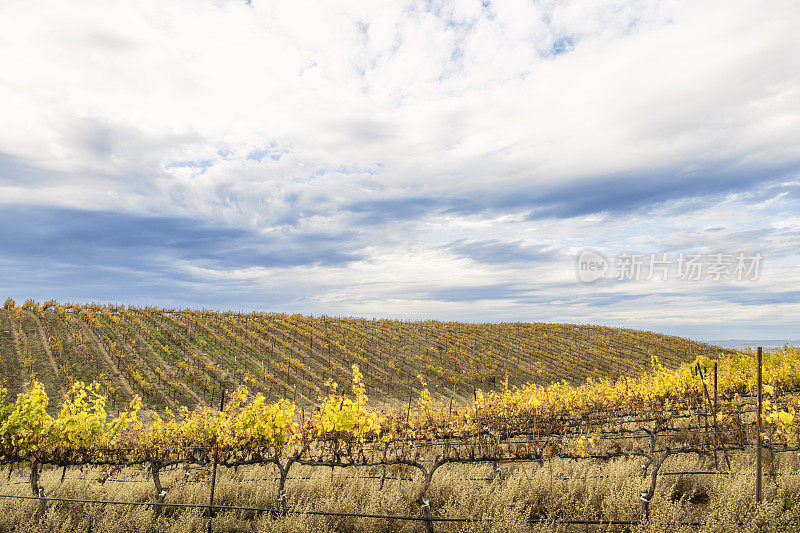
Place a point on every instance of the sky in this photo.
(413, 160)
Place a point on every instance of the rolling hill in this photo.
(176, 357)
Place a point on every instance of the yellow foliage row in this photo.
(341, 424)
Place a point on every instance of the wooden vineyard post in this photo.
(449, 417)
(712, 406)
(758, 428)
(214, 468)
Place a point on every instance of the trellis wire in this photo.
(333, 513)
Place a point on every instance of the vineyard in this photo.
(173, 358)
(721, 409)
(715, 413)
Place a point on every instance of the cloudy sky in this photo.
(406, 159)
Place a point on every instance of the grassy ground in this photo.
(557, 489)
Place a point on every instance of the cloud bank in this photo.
(407, 159)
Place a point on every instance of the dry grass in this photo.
(557, 489)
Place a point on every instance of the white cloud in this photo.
(410, 128)
(424, 93)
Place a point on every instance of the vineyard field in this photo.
(703, 417)
(172, 358)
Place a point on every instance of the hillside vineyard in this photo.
(181, 357)
(177, 358)
(711, 407)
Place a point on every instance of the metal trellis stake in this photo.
(716, 429)
(758, 429)
(214, 469)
